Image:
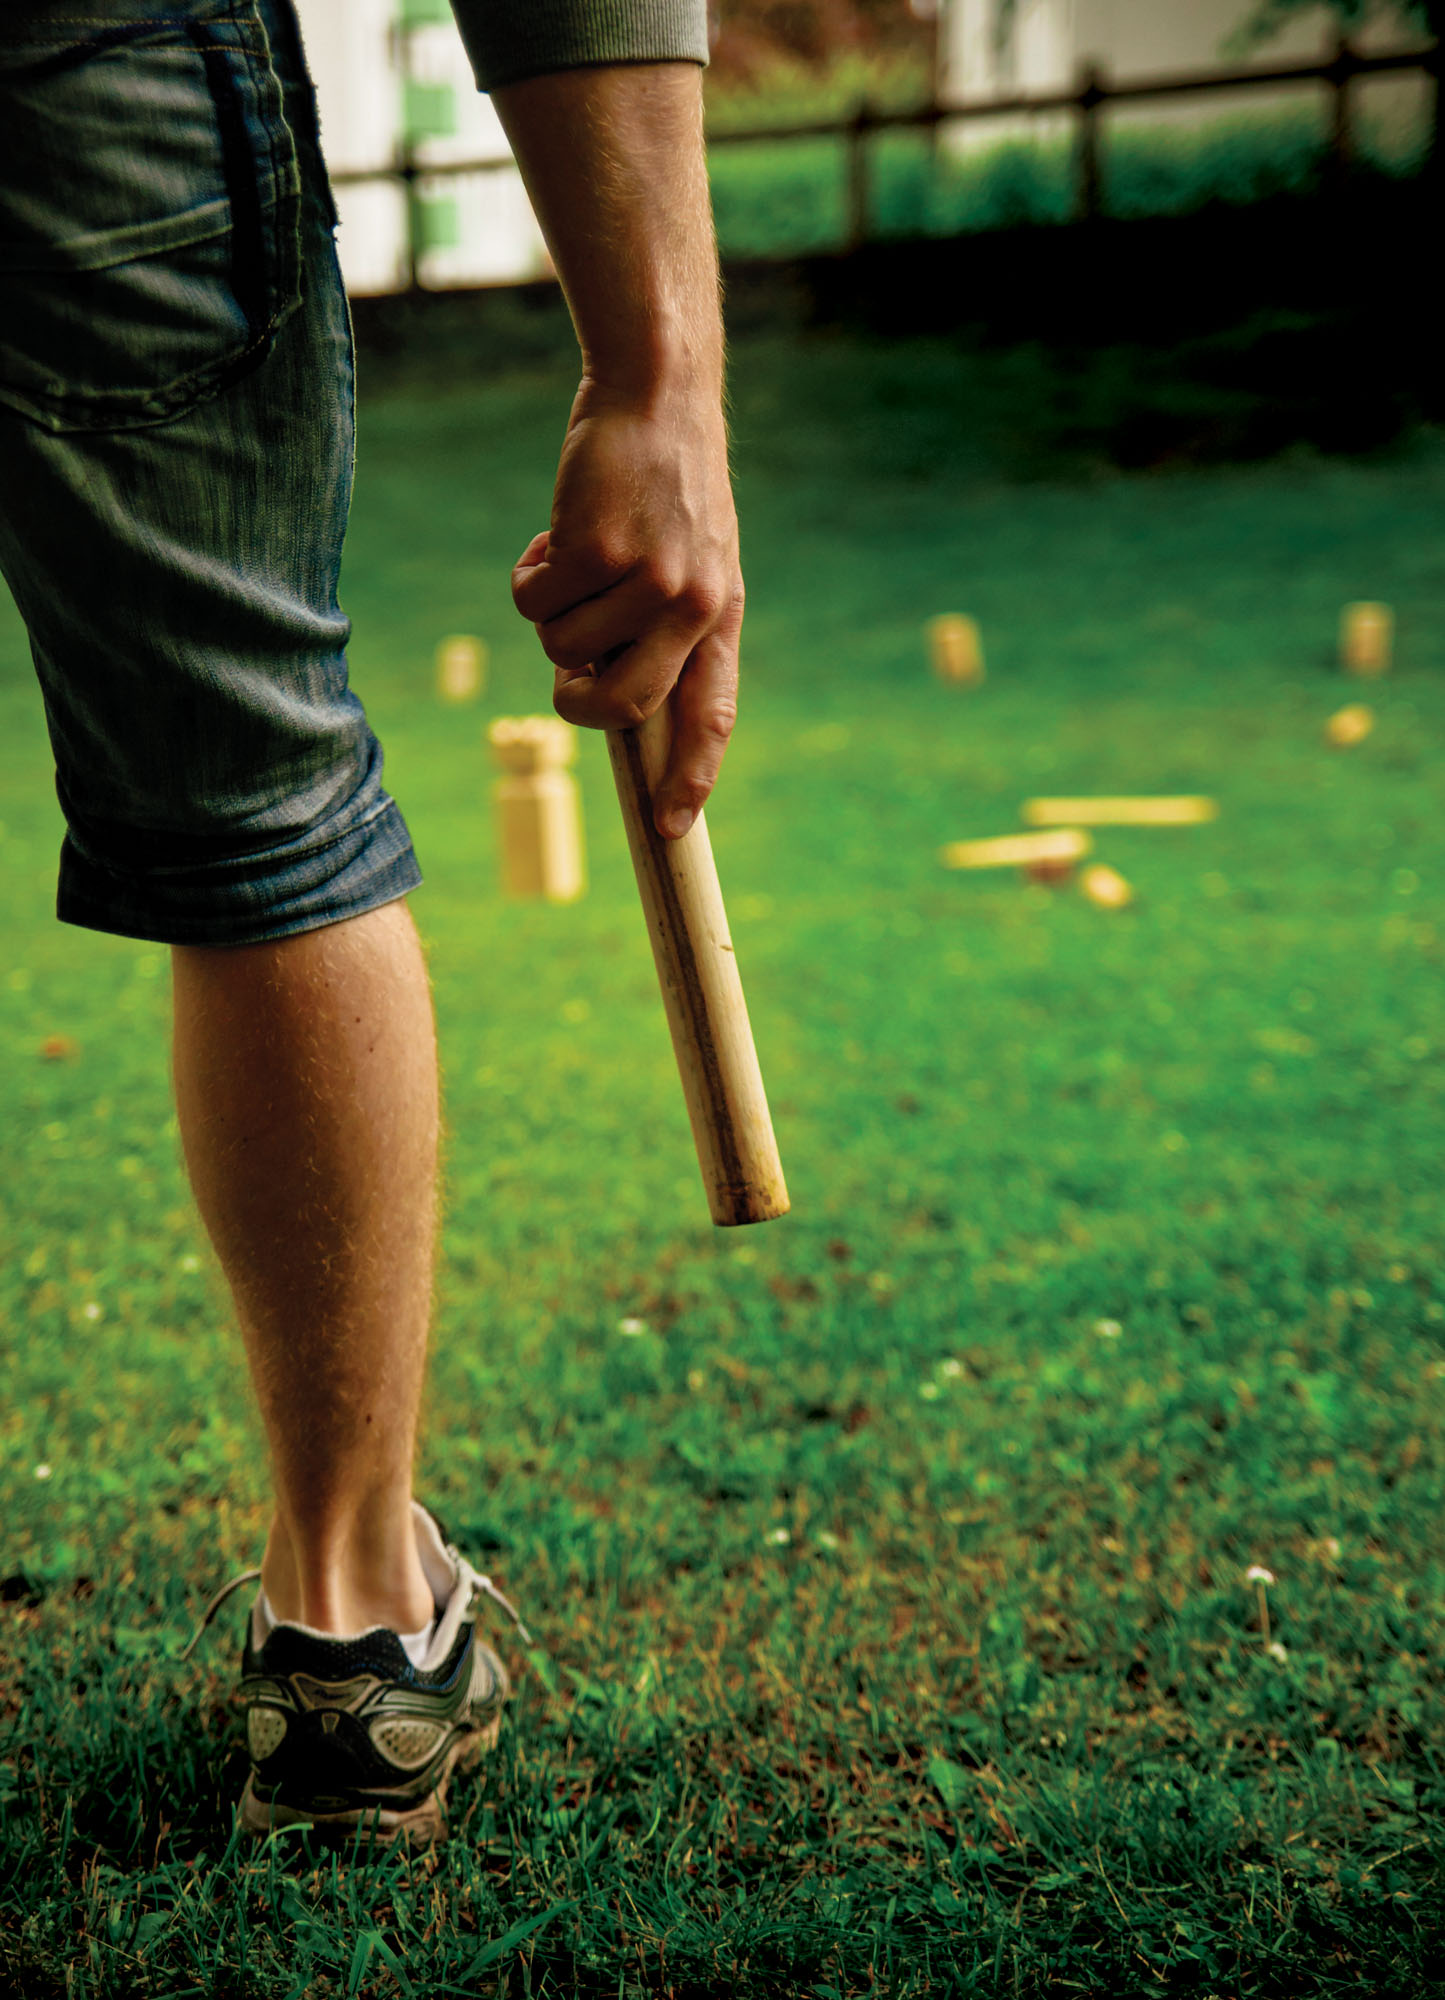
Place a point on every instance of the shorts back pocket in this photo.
(149, 215)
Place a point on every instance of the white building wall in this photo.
(1040, 48)
(478, 229)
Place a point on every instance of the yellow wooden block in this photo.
(1367, 635)
(956, 649)
(1349, 725)
(539, 816)
(1119, 812)
(1106, 887)
(461, 666)
(1058, 850)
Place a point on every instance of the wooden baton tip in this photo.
(1119, 812)
(701, 990)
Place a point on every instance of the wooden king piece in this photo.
(538, 815)
(701, 989)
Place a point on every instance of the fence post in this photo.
(935, 76)
(1434, 161)
(1088, 189)
(857, 190)
(1339, 159)
(405, 156)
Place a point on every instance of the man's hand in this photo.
(635, 590)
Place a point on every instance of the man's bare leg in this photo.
(306, 1084)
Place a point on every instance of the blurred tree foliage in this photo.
(1267, 17)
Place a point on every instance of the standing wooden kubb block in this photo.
(1367, 637)
(461, 668)
(539, 815)
(956, 649)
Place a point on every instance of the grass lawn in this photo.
(889, 1577)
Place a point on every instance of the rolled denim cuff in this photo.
(510, 40)
(223, 888)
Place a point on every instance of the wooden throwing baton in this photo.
(701, 989)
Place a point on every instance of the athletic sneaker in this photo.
(352, 1733)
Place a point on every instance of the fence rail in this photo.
(1091, 95)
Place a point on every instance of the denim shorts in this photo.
(176, 439)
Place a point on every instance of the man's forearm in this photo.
(634, 587)
(613, 161)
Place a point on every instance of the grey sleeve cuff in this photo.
(510, 40)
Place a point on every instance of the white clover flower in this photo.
(1107, 1329)
(1332, 1547)
(631, 1325)
(42, 1471)
(1257, 1573)
(951, 1366)
(929, 1391)
(190, 1262)
(1277, 1651)
(779, 1537)
(826, 1539)
(90, 1310)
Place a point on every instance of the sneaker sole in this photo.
(423, 1823)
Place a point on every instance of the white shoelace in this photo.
(487, 1588)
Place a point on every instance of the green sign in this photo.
(438, 222)
(428, 110)
(424, 13)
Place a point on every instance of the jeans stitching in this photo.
(238, 165)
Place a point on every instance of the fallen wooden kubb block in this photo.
(1044, 857)
(1106, 887)
(1349, 725)
(1367, 633)
(1120, 812)
(539, 817)
(461, 668)
(956, 649)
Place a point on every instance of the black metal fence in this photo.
(1092, 95)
